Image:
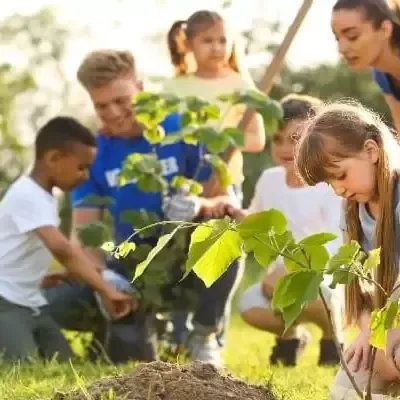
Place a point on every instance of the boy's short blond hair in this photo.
(103, 66)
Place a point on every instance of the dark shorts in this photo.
(26, 333)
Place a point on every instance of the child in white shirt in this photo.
(308, 210)
(29, 237)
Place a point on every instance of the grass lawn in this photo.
(246, 357)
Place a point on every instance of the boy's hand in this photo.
(54, 279)
(119, 304)
(357, 354)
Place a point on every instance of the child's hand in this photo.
(119, 304)
(393, 346)
(357, 354)
(236, 213)
(215, 207)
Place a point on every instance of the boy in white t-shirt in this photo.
(29, 237)
(308, 210)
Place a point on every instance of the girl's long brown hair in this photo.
(337, 132)
(186, 30)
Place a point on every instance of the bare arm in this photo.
(72, 257)
(82, 216)
(394, 107)
(82, 267)
(254, 136)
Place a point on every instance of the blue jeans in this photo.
(181, 319)
(73, 306)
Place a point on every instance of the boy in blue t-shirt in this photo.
(109, 78)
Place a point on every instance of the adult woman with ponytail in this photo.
(368, 36)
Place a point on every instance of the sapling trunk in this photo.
(338, 347)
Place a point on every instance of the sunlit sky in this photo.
(124, 24)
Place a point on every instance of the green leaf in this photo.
(296, 290)
(341, 276)
(346, 254)
(223, 176)
(207, 232)
(291, 313)
(274, 109)
(179, 181)
(154, 135)
(97, 201)
(188, 118)
(137, 166)
(213, 247)
(124, 249)
(195, 104)
(270, 125)
(141, 252)
(312, 257)
(377, 337)
(218, 257)
(264, 222)
(231, 98)
(151, 183)
(161, 243)
(392, 315)
(172, 138)
(139, 218)
(171, 102)
(268, 247)
(145, 98)
(190, 138)
(283, 295)
(93, 234)
(236, 138)
(318, 239)
(211, 112)
(251, 98)
(187, 185)
(373, 260)
(220, 167)
(108, 247)
(214, 141)
(196, 189)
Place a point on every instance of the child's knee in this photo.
(253, 298)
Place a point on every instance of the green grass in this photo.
(246, 357)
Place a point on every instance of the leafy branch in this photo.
(216, 244)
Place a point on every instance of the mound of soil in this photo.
(164, 381)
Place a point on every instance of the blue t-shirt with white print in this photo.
(176, 159)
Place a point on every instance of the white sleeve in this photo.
(257, 203)
(332, 212)
(30, 213)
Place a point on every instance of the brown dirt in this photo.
(164, 381)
